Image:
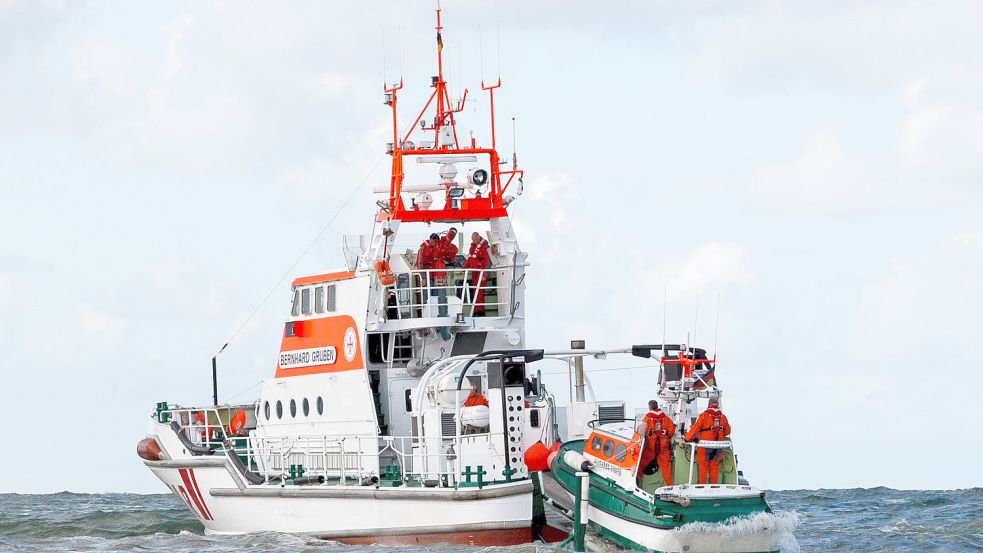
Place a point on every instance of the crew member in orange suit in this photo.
(711, 425)
(657, 429)
(478, 258)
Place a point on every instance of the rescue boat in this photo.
(362, 434)
(726, 515)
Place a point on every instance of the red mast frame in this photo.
(480, 208)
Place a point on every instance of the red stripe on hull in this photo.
(481, 538)
(196, 499)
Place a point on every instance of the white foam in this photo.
(780, 525)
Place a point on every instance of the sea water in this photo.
(856, 520)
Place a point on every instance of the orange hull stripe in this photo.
(327, 277)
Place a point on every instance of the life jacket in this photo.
(478, 255)
(424, 256)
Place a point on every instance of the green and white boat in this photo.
(644, 514)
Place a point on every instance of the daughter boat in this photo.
(706, 505)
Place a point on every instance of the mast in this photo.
(488, 201)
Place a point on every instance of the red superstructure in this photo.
(446, 148)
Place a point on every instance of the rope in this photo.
(317, 237)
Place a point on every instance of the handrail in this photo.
(423, 283)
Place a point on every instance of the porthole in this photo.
(279, 409)
(266, 410)
(320, 406)
(595, 443)
(306, 406)
(608, 448)
(293, 408)
(620, 452)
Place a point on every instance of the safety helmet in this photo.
(435, 236)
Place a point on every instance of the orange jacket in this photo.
(651, 428)
(710, 425)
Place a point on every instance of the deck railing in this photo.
(341, 459)
(425, 293)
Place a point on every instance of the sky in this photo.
(815, 166)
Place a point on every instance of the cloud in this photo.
(825, 177)
(101, 330)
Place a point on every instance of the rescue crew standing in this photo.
(425, 259)
(711, 425)
(657, 429)
(478, 258)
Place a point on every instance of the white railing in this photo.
(350, 460)
(342, 460)
(457, 290)
(203, 425)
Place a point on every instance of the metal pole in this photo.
(214, 381)
(580, 510)
(578, 365)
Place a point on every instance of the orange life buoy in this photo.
(385, 274)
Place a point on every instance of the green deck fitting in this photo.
(391, 476)
(468, 473)
(163, 416)
(296, 471)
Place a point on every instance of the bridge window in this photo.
(307, 407)
(295, 306)
(329, 300)
(319, 299)
(305, 301)
(595, 444)
(608, 448)
(320, 405)
(293, 408)
(266, 410)
(279, 409)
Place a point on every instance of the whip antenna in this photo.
(665, 313)
(696, 318)
(515, 158)
(716, 326)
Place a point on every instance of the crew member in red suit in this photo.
(446, 250)
(426, 258)
(711, 425)
(657, 429)
(478, 258)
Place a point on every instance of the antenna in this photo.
(481, 56)
(665, 313)
(399, 47)
(385, 76)
(515, 158)
(696, 318)
(716, 326)
(498, 24)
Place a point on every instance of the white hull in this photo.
(225, 505)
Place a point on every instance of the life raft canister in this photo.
(384, 272)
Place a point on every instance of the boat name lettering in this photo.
(299, 358)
